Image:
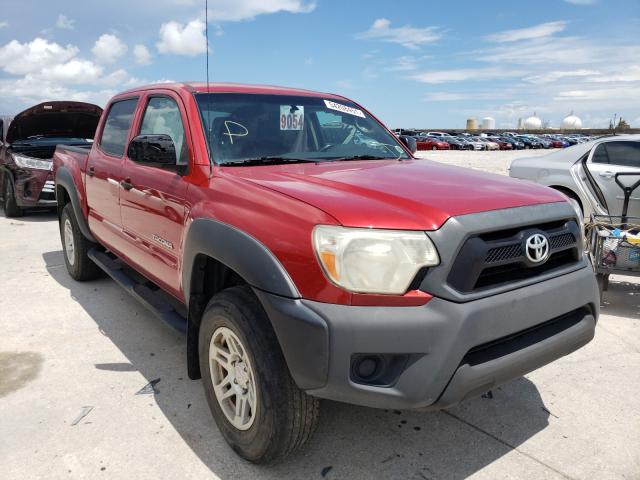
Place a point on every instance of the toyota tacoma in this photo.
(307, 254)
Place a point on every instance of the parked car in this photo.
(515, 143)
(475, 143)
(489, 145)
(529, 142)
(502, 144)
(28, 146)
(303, 265)
(586, 173)
(424, 142)
(405, 132)
(438, 134)
(456, 143)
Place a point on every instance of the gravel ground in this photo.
(67, 345)
(494, 162)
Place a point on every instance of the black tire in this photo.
(81, 267)
(285, 416)
(9, 205)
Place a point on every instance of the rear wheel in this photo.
(434, 147)
(258, 408)
(75, 247)
(9, 204)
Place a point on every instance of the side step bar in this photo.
(154, 300)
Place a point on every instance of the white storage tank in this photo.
(488, 123)
(571, 122)
(532, 123)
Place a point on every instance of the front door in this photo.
(153, 205)
(609, 158)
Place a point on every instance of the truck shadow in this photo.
(35, 216)
(351, 442)
(622, 299)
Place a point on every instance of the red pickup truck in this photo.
(308, 255)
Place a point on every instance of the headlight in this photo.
(29, 162)
(372, 261)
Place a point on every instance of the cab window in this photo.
(116, 127)
(162, 117)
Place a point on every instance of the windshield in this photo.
(250, 127)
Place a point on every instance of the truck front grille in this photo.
(495, 259)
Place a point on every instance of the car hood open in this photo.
(55, 119)
(407, 195)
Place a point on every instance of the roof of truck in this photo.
(224, 87)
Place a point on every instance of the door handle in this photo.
(91, 172)
(607, 174)
(126, 184)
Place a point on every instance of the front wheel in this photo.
(9, 204)
(255, 403)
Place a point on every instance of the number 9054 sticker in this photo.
(291, 117)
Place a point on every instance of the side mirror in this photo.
(409, 142)
(154, 150)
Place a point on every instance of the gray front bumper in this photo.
(319, 339)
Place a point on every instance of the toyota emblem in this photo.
(537, 248)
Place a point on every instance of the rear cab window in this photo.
(116, 127)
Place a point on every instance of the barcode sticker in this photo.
(344, 109)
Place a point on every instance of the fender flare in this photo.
(240, 252)
(65, 180)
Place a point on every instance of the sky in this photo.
(421, 64)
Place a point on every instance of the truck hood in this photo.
(55, 119)
(406, 195)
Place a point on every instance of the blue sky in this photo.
(412, 63)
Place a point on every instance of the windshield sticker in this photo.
(343, 108)
(228, 124)
(291, 117)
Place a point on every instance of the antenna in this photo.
(206, 35)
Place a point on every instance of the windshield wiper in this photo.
(360, 157)
(266, 161)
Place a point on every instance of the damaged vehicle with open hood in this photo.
(27, 147)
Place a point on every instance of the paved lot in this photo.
(67, 345)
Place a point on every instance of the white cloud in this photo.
(65, 22)
(180, 39)
(226, 11)
(142, 55)
(41, 70)
(553, 76)
(407, 36)
(108, 48)
(404, 63)
(462, 74)
(73, 71)
(537, 31)
(21, 58)
(4, 24)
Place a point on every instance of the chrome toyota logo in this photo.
(537, 248)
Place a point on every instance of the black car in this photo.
(530, 142)
(456, 143)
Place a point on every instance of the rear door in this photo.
(153, 205)
(104, 173)
(609, 158)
